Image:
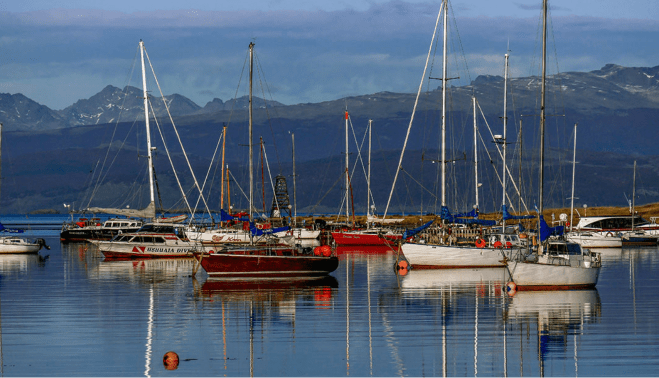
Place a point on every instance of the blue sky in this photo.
(56, 52)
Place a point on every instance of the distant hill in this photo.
(48, 155)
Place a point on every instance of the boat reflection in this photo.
(268, 290)
(19, 262)
(147, 270)
(342, 251)
(559, 316)
(424, 279)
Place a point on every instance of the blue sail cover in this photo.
(258, 232)
(414, 231)
(546, 231)
(506, 214)
(446, 215)
(10, 230)
(224, 217)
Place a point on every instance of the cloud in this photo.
(59, 56)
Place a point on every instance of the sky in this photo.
(58, 52)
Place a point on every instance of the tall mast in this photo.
(542, 111)
(368, 181)
(347, 175)
(473, 100)
(574, 162)
(224, 140)
(294, 188)
(505, 124)
(444, 83)
(634, 196)
(146, 121)
(251, 152)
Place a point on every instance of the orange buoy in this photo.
(316, 251)
(403, 265)
(326, 250)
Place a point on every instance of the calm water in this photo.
(73, 314)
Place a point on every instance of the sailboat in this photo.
(556, 264)
(263, 261)
(370, 236)
(588, 239)
(431, 252)
(12, 244)
(637, 237)
(152, 240)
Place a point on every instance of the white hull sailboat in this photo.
(429, 256)
(14, 244)
(556, 272)
(556, 265)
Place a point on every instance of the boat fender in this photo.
(326, 250)
(316, 251)
(497, 244)
(509, 244)
(609, 234)
(480, 243)
(511, 288)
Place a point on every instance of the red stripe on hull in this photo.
(553, 287)
(128, 255)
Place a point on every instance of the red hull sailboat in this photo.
(272, 262)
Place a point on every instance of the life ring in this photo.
(480, 243)
(497, 244)
(609, 234)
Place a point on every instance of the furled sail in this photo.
(147, 212)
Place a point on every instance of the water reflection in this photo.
(20, 262)
(558, 317)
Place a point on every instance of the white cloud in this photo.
(59, 56)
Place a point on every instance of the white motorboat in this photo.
(595, 239)
(153, 240)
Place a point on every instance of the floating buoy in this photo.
(170, 360)
(402, 272)
(403, 265)
(511, 288)
(326, 250)
(316, 251)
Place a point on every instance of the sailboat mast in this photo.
(574, 162)
(146, 121)
(368, 181)
(444, 83)
(634, 196)
(347, 175)
(294, 187)
(224, 140)
(542, 111)
(473, 100)
(251, 152)
(505, 126)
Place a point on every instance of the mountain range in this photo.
(50, 156)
